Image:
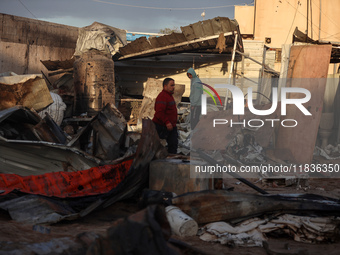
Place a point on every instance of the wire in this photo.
(260, 94)
(306, 17)
(326, 15)
(303, 14)
(162, 8)
(28, 9)
(330, 36)
(296, 10)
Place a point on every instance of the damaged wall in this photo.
(278, 19)
(24, 42)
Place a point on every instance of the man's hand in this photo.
(169, 126)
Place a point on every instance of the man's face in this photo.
(170, 87)
(189, 75)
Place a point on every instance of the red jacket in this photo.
(166, 109)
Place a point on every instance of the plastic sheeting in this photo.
(55, 110)
(102, 37)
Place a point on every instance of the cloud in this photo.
(82, 13)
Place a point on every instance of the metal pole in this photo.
(230, 72)
(311, 19)
(307, 19)
(242, 74)
(255, 19)
(320, 22)
(257, 62)
(262, 74)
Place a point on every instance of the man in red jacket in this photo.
(165, 117)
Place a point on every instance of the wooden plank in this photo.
(308, 68)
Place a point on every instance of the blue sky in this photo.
(132, 15)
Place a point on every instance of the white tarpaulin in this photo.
(104, 38)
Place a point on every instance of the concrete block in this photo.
(173, 175)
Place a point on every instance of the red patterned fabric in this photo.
(93, 181)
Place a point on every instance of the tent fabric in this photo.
(93, 181)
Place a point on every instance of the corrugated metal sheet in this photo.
(34, 158)
(25, 152)
(42, 209)
(199, 36)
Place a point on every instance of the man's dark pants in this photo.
(170, 136)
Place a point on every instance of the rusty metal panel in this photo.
(94, 83)
(141, 44)
(198, 31)
(227, 25)
(108, 128)
(207, 28)
(174, 38)
(57, 64)
(217, 26)
(155, 42)
(188, 32)
(30, 91)
(128, 49)
(180, 37)
(162, 41)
